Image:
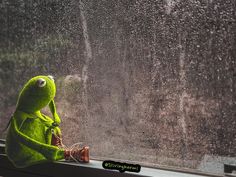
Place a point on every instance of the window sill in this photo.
(92, 169)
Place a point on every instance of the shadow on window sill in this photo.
(92, 169)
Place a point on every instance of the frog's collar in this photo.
(37, 115)
(26, 114)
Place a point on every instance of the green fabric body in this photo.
(29, 140)
(29, 135)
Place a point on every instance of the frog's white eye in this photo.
(51, 77)
(41, 82)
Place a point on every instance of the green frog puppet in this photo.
(33, 137)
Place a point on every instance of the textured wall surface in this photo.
(141, 80)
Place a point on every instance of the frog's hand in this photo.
(53, 110)
(51, 153)
(53, 134)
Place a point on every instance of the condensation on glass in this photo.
(141, 80)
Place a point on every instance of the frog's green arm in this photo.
(52, 153)
(56, 130)
(53, 110)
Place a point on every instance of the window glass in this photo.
(142, 80)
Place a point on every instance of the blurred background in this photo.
(137, 80)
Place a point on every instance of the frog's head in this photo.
(37, 93)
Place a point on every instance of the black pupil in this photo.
(41, 82)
